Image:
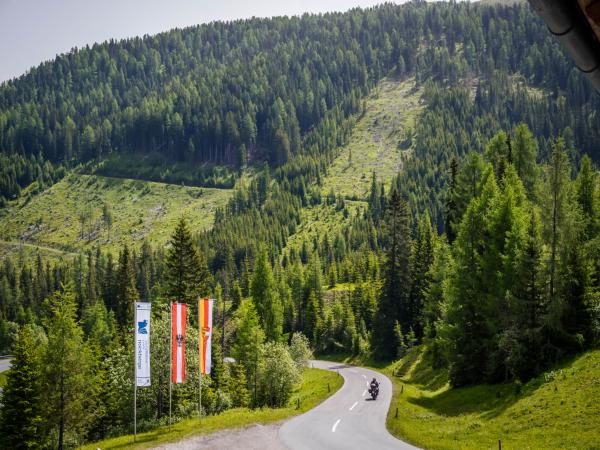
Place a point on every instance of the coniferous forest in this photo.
(484, 249)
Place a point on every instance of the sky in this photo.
(32, 31)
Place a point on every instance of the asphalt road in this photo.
(347, 420)
(4, 364)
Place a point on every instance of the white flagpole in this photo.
(134, 375)
(170, 361)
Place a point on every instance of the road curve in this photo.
(347, 420)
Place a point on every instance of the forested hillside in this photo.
(232, 93)
(482, 242)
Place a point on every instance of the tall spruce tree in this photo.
(394, 302)
(186, 273)
(421, 261)
(557, 193)
(466, 329)
(125, 289)
(265, 297)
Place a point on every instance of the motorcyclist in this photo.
(374, 384)
(374, 389)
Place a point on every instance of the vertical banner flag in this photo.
(178, 318)
(142, 344)
(205, 310)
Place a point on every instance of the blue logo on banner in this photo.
(143, 327)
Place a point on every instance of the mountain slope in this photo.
(379, 141)
(69, 215)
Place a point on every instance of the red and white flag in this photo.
(205, 313)
(178, 342)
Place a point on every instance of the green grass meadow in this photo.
(316, 386)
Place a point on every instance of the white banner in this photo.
(142, 344)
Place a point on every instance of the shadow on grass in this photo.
(490, 400)
(424, 375)
(485, 399)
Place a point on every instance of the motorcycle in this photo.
(374, 391)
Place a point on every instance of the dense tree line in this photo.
(18, 171)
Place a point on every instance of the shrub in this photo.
(300, 350)
(277, 374)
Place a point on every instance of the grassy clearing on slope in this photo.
(557, 410)
(315, 387)
(379, 140)
(140, 210)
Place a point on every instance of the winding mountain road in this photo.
(347, 420)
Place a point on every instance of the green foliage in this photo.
(300, 350)
(69, 382)
(238, 386)
(277, 374)
(21, 416)
(311, 391)
(394, 304)
(266, 298)
(249, 336)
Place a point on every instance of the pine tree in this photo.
(218, 371)
(21, 414)
(186, 273)
(265, 297)
(434, 291)
(246, 277)
(522, 340)
(466, 326)
(69, 382)
(524, 153)
(394, 302)
(238, 386)
(421, 261)
(451, 219)
(249, 336)
(556, 189)
(125, 289)
(497, 153)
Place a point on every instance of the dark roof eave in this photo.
(567, 22)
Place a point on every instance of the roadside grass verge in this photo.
(316, 386)
(559, 409)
